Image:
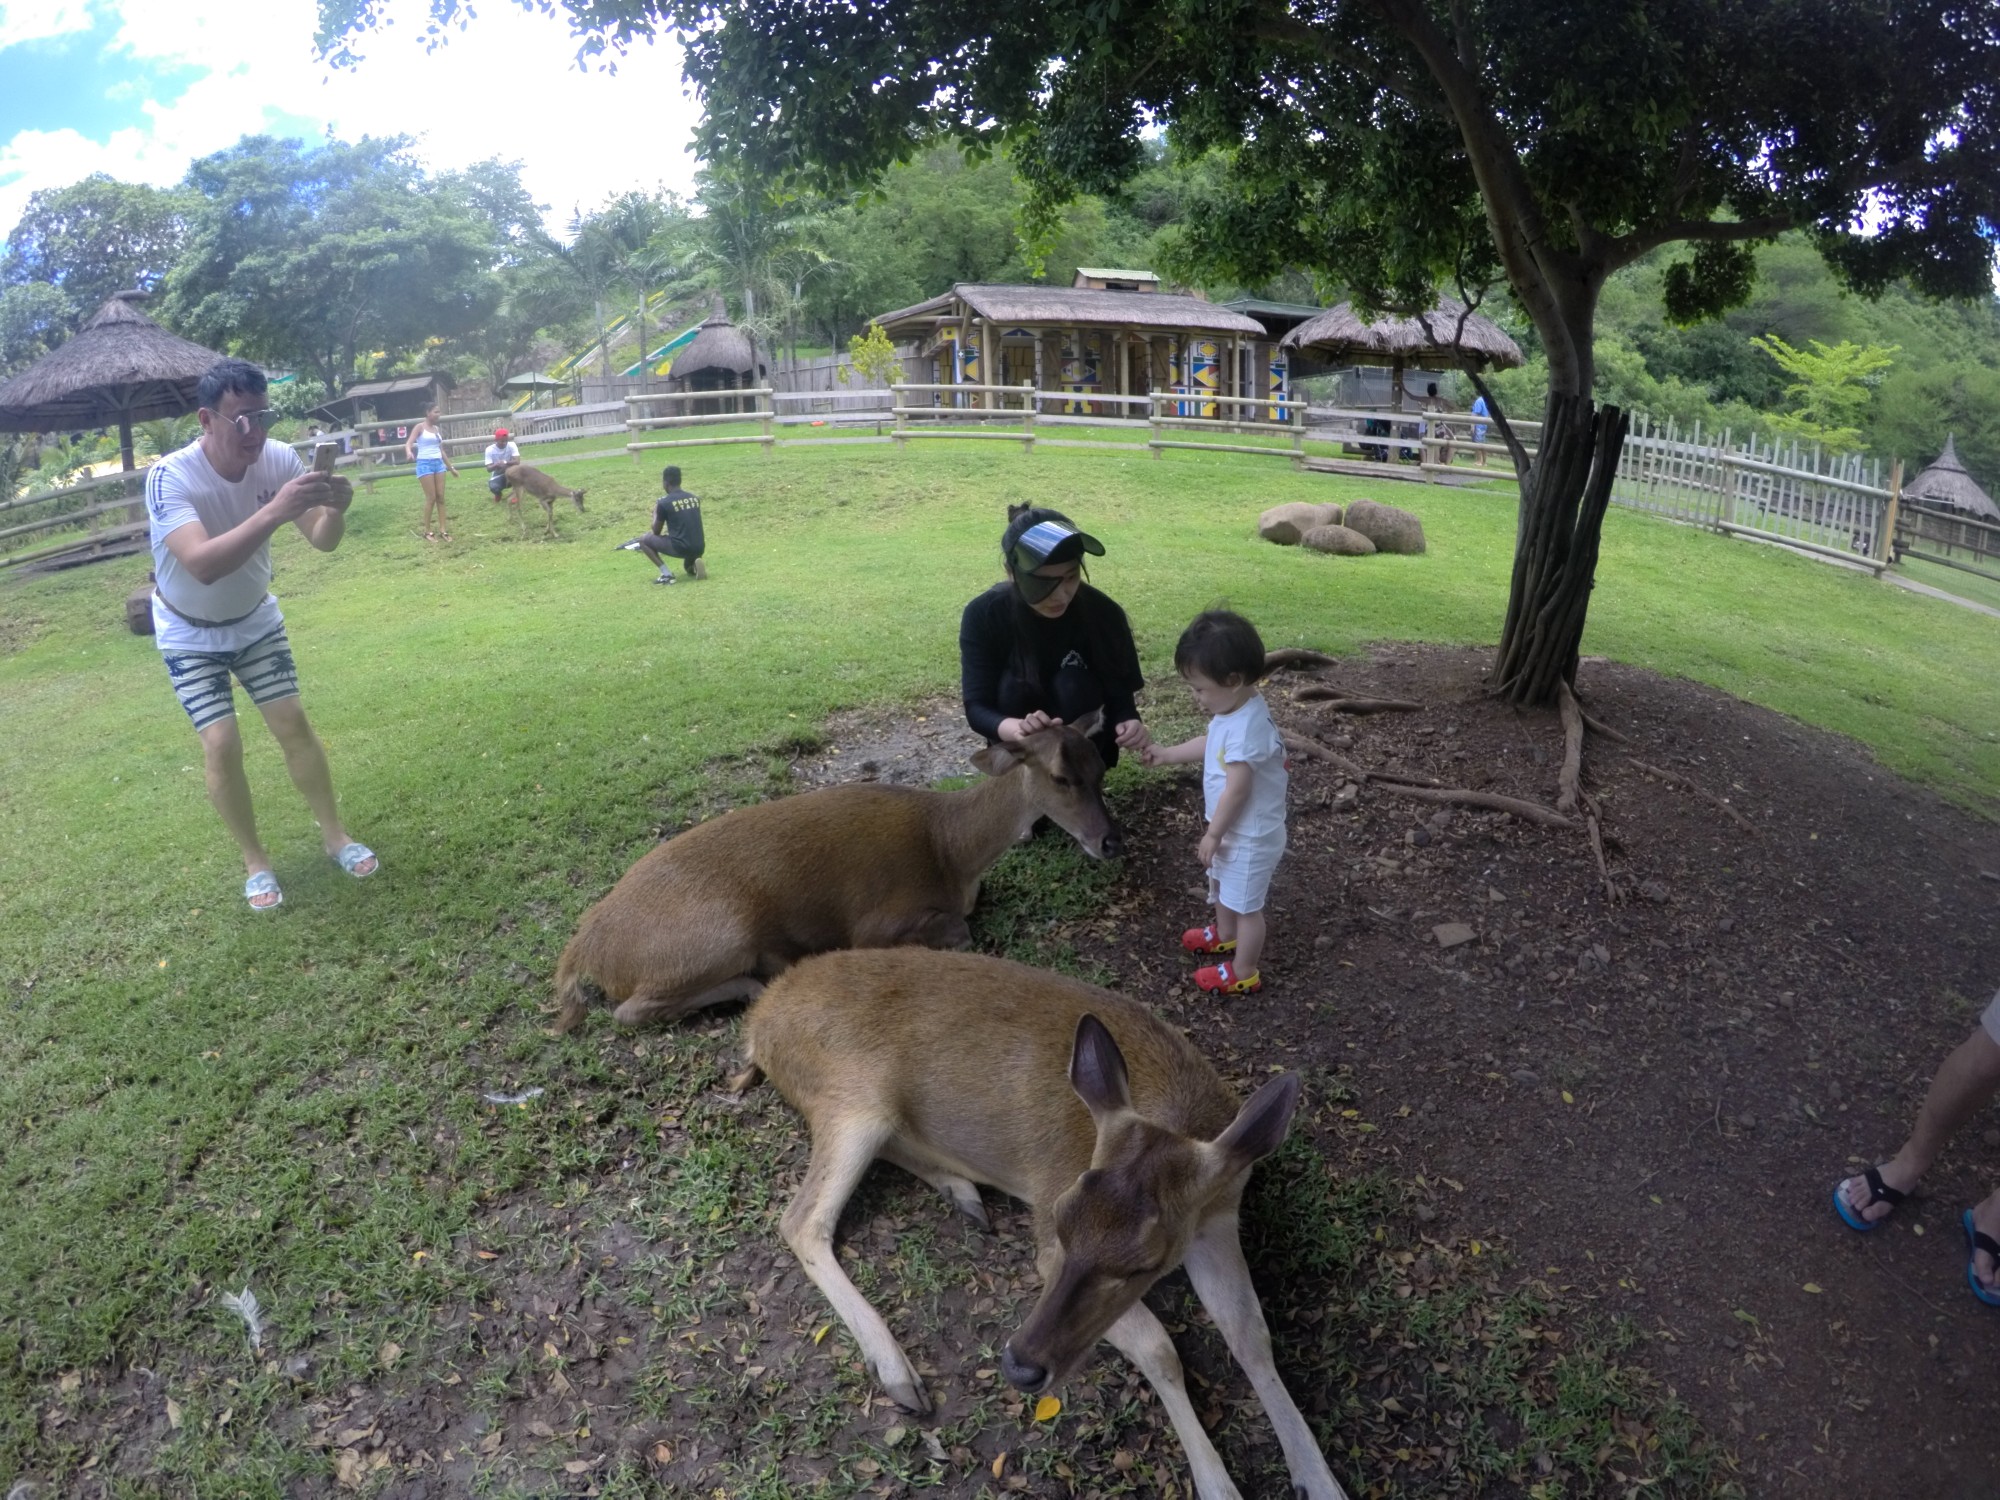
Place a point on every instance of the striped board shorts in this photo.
(201, 678)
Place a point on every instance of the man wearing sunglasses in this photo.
(214, 507)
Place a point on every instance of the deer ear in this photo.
(998, 760)
(1097, 1068)
(1087, 725)
(1261, 1125)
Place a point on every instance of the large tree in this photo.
(95, 238)
(316, 256)
(1398, 145)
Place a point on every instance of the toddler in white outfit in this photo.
(1244, 778)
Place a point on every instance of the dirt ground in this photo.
(1644, 1104)
(1649, 1102)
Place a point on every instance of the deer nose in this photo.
(1020, 1374)
(1114, 844)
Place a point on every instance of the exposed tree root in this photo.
(1613, 892)
(1338, 700)
(1531, 812)
(1569, 783)
(1597, 727)
(1296, 657)
(1709, 797)
(1312, 749)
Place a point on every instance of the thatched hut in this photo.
(119, 368)
(1947, 486)
(721, 358)
(1113, 335)
(1447, 336)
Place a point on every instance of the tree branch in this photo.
(1628, 248)
(1522, 463)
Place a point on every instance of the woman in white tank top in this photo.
(426, 446)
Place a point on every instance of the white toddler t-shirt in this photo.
(184, 487)
(1247, 735)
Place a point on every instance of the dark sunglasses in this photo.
(1035, 587)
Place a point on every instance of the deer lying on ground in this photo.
(519, 477)
(710, 914)
(1081, 1103)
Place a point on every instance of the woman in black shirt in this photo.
(1044, 647)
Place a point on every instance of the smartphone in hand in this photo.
(324, 457)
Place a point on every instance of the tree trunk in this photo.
(1563, 499)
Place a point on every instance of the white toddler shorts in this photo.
(1240, 874)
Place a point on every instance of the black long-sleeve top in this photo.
(1009, 655)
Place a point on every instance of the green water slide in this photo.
(657, 362)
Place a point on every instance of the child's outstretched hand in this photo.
(1149, 755)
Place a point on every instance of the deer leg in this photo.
(549, 514)
(1141, 1338)
(1221, 1279)
(841, 1154)
(963, 1193)
(645, 1005)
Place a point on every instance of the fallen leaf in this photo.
(1568, 1098)
(69, 1381)
(388, 1354)
(999, 1463)
(1814, 1287)
(821, 1333)
(1046, 1408)
(663, 1454)
(349, 1468)
(492, 1441)
(579, 1466)
(486, 1255)
(173, 1414)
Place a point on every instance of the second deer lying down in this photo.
(710, 914)
(1131, 1151)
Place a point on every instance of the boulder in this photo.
(1390, 529)
(1341, 541)
(1285, 524)
(1329, 515)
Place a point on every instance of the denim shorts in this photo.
(429, 466)
(201, 678)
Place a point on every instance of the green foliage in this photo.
(1830, 387)
(158, 438)
(315, 257)
(95, 238)
(873, 358)
(34, 317)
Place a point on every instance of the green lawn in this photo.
(191, 1095)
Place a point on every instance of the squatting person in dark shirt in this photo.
(1044, 647)
(676, 530)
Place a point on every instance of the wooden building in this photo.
(401, 399)
(1113, 334)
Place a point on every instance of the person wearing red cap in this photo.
(500, 453)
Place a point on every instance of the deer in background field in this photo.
(712, 913)
(522, 477)
(1129, 1148)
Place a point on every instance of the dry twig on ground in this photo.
(1677, 779)
(1532, 812)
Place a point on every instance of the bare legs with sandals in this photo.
(305, 760)
(1965, 1083)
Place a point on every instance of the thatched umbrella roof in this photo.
(718, 345)
(1947, 483)
(1446, 335)
(119, 368)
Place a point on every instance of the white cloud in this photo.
(38, 20)
(508, 86)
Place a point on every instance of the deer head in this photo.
(1065, 781)
(1128, 1220)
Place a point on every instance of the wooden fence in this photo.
(1837, 506)
(1949, 538)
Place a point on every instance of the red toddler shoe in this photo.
(1204, 940)
(1222, 979)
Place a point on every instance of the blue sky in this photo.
(141, 88)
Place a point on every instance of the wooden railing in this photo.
(761, 411)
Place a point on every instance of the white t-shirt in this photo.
(184, 487)
(1247, 736)
(499, 455)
